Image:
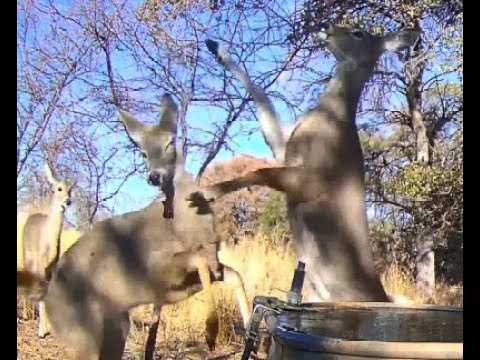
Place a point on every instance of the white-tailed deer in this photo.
(323, 176)
(137, 258)
(41, 237)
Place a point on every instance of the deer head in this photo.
(61, 190)
(358, 46)
(156, 142)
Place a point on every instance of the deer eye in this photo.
(59, 189)
(359, 34)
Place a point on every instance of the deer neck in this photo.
(54, 222)
(52, 231)
(343, 92)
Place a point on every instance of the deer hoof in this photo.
(42, 333)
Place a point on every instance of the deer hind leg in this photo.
(76, 317)
(152, 333)
(211, 331)
(290, 180)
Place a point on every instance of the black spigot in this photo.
(294, 296)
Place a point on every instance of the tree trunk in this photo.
(425, 260)
(425, 267)
(421, 137)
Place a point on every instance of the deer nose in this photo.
(325, 26)
(68, 202)
(155, 178)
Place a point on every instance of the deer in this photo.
(321, 167)
(41, 232)
(68, 237)
(30, 285)
(140, 257)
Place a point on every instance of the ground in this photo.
(31, 347)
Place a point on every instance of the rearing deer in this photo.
(136, 258)
(323, 176)
(41, 237)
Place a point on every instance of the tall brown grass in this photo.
(402, 282)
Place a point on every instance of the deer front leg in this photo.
(235, 280)
(26, 309)
(290, 180)
(43, 323)
(269, 122)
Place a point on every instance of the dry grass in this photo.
(449, 295)
(400, 282)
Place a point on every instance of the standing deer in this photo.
(138, 258)
(323, 173)
(41, 237)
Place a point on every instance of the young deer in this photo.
(138, 258)
(323, 176)
(41, 237)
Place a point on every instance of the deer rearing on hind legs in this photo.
(323, 172)
(41, 237)
(138, 258)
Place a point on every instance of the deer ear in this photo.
(169, 115)
(50, 174)
(73, 184)
(133, 127)
(399, 40)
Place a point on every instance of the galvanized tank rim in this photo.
(356, 305)
(378, 349)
